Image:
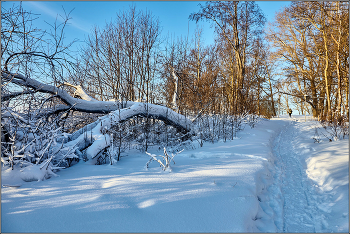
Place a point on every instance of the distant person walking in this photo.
(290, 112)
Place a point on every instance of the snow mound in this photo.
(37, 172)
(329, 168)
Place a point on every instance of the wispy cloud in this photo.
(55, 14)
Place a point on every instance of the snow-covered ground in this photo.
(272, 178)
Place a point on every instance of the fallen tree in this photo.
(98, 138)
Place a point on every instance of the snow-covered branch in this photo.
(76, 104)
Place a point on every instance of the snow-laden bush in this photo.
(213, 128)
(164, 161)
(337, 128)
(38, 172)
(31, 141)
(252, 120)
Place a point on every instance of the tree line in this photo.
(129, 60)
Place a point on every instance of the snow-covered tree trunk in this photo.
(174, 102)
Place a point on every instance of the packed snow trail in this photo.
(300, 210)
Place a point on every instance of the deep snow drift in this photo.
(271, 178)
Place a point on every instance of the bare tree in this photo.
(237, 24)
(308, 36)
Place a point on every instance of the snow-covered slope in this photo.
(327, 166)
(233, 186)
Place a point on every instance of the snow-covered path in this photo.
(304, 208)
(299, 211)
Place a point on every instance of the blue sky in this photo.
(173, 15)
